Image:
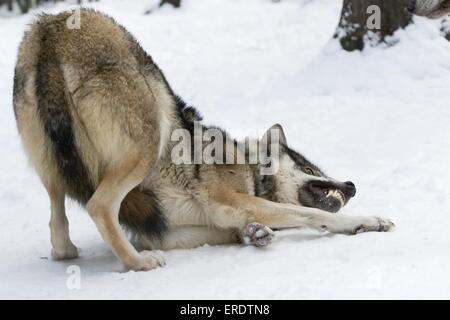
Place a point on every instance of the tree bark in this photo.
(175, 3)
(445, 28)
(24, 5)
(356, 26)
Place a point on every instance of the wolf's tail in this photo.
(141, 213)
(54, 113)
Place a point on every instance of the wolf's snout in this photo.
(411, 6)
(350, 188)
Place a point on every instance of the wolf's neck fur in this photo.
(186, 115)
(264, 185)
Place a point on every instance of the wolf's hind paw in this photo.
(147, 260)
(70, 252)
(258, 235)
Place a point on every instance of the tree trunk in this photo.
(24, 5)
(370, 20)
(445, 28)
(175, 3)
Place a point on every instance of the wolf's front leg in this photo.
(278, 215)
(287, 216)
(334, 223)
(240, 210)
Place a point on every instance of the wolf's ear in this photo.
(277, 128)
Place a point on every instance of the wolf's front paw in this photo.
(146, 260)
(257, 234)
(375, 224)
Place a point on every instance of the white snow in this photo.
(380, 118)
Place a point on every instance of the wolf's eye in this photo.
(309, 170)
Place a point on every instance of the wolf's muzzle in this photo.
(350, 189)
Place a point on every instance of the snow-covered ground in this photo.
(380, 118)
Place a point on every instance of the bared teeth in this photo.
(336, 194)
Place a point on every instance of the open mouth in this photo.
(330, 196)
(337, 194)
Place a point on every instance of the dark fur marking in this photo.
(197, 174)
(269, 187)
(19, 85)
(140, 212)
(187, 115)
(257, 183)
(300, 161)
(54, 112)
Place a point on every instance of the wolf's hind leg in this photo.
(63, 248)
(188, 237)
(104, 208)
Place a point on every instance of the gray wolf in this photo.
(429, 8)
(96, 116)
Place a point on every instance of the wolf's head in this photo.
(429, 8)
(298, 181)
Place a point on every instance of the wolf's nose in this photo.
(411, 6)
(351, 189)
